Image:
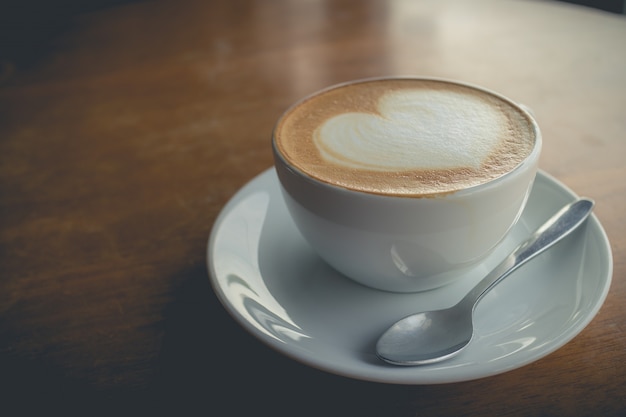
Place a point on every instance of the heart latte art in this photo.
(404, 137)
(414, 129)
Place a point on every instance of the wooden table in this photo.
(122, 139)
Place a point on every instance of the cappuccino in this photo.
(404, 137)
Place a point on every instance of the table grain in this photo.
(128, 127)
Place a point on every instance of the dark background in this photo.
(29, 27)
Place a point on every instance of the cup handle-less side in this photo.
(526, 109)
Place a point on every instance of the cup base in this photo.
(402, 281)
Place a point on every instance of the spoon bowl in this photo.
(434, 336)
(426, 337)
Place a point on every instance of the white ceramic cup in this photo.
(406, 244)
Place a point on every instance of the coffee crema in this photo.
(404, 136)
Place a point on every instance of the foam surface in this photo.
(405, 136)
(415, 129)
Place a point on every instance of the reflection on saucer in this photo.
(238, 273)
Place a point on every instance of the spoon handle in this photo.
(556, 228)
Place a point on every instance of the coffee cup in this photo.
(404, 183)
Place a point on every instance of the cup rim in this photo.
(530, 159)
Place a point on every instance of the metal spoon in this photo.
(433, 336)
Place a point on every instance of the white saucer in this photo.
(272, 283)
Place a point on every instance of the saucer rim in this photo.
(295, 353)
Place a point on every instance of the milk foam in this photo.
(405, 136)
(415, 129)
